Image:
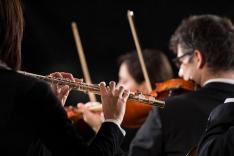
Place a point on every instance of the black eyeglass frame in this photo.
(177, 61)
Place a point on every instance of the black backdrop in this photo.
(49, 46)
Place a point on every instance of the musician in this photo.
(205, 54)
(131, 76)
(218, 138)
(32, 119)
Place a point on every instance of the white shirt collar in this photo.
(230, 81)
(229, 100)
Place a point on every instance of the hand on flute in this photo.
(113, 101)
(62, 91)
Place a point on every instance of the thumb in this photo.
(64, 91)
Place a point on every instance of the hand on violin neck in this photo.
(93, 118)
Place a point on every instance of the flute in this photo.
(94, 88)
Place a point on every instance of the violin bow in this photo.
(83, 62)
(130, 15)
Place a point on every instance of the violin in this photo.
(136, 111)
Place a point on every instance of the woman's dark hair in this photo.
(11, 32)
(212, 35)
(157, 65)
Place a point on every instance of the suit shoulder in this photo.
(24, 83)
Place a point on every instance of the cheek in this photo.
(191, 74)
(184, 72)
(131, 86)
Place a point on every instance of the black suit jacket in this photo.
(33, 122)
(174, 130)
(218, 139)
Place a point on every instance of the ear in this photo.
(199, 59)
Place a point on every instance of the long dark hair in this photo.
(11, 32)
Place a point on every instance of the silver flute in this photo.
(94, 88)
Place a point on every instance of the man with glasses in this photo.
(205, 54)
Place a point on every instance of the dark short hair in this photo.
(11, 32)
(212, 35)
(157, 65)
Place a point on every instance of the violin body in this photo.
(136, 113)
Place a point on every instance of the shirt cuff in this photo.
(117, 123)
(229, 100)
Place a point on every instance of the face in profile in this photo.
(126, 80)
(185, 67)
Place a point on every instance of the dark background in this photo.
(48, 44)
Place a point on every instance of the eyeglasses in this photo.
(178, 61)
